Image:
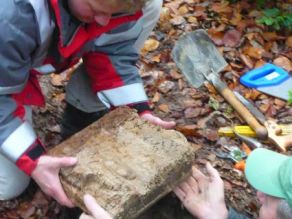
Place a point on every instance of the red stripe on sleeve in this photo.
(102, 73)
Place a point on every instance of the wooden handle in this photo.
(261, 131)
(284, 141)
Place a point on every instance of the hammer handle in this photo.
(261, 131)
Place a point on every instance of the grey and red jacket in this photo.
(40, 37)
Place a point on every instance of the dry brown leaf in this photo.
(221, 7)
(181, 84)
(175, 75)
(264, 107)
(268, 46)
(193, 20)
(236, 19)
(259, 63)
(270, 36)
(164, 108)
(59, 98)
(216, 36)
(156, 97)
(188, 130)
(254, 13)
(58, 79)
(253, 52)
(166, 86)
(196, 146)
(177, 20)
(192, 112)
(283, 62)
(210, 88)
(192, 103)
(183, 10)
(156, 58)
(200, 12)
(150, 45)
(232, 38)
(252, 94)
(250, 36)
(279, 103)
(289, 42)
(211, 135)
(247, 61)
(164, 15)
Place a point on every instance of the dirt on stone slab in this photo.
(126, 163)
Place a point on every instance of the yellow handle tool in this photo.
(247, 131)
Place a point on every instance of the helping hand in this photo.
(95, 210)
(46, 175)
(157, 121)
(203, 196)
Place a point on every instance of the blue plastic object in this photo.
(267, 75)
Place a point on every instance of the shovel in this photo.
(199, 60)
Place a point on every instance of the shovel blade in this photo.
(196, 57)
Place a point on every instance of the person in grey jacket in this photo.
(43, 36)
(203, 195)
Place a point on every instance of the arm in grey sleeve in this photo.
(18, 41)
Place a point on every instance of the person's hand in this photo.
(46, 175)
(95, 210)
(157, 121)
(203, 196)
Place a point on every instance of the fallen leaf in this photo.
(253, 52)
(58, 79)
(210, 88)
(289, 42)
(259, 63)
(232, 38)
(270, 36)
(156, 97)
(192, 20)
(188, 130)
(156, 58)
(175, 75)
(283, 62)
(164, 15)
(264, 108)
(192, 112)
(164, 108)
(150, 45)
(222, 7)
(211, 135)
(236, 19)
(200, 12)
(280, 103)
(183, 10)
(252, 94)
(247, 61)
(192, 103)
(196, 146)
(166, 86)
(177, 20)
(216, 36)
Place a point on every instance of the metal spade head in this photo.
(197, 57)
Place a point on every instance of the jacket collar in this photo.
(66, 22)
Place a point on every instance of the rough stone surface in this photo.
(127, 164)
